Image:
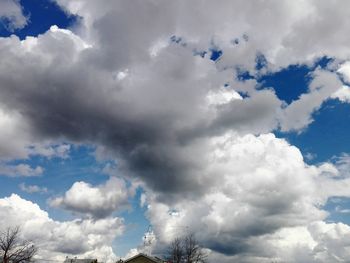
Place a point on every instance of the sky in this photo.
(126, 124)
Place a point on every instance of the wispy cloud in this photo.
(32, 188)
(20, 170)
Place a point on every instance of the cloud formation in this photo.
(18, 170)
(11, 15)
(32, 188)
(160, 105)
(260, 202)
(83, 237)
(135, 78)
(97, 202)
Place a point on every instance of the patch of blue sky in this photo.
(327, 136)
(81, 165)
(215, 54)
(339, 210)
(260, 61)
(58, 176)
(243, 75)
(8, 185)
(289, 83)
(41, 14)
(136, 226)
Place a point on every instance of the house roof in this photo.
(156, 260)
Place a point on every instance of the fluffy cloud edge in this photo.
(78, 237)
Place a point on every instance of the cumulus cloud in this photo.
(85, 238)
(149, 116)
(260, 192)
(98, 202)
(319, 242)
(186, 127)
(238, 28)
(161, 101)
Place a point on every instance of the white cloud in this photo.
(11, 14)
(332, 241)
(260, 199)
(344, 70)
(50, 151)
(14, 135)
(343, 94)
(343, 164)
(285, 32)
(82, 238)
(339, 209)
(32, 188)
(222, 96)
(19, 170)
(319, 242)
(298, 115)
(98, 202)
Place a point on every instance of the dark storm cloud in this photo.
(74, 101)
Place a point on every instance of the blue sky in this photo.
(41, 15)
(142, 146)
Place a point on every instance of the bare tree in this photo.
(176, 251)
(186, 250)
(193, 252)
(14, 250)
